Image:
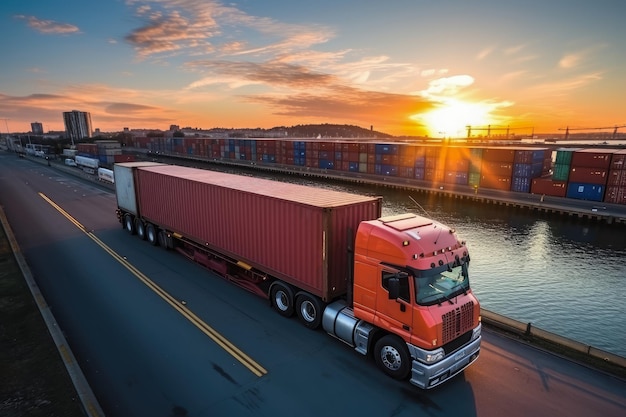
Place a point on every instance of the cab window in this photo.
(404, 284)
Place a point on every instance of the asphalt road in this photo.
(152, 331)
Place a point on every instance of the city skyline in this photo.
(407, 67)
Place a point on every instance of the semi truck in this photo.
(395, 288)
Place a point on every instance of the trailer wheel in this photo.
(310, 310)
(281, 297)
(152, 234)
(392, 357)
(163, 239)
(129, 224)
(141, 229)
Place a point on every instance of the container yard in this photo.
(591, 174)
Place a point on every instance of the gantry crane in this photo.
(490, 128)
(567, 129)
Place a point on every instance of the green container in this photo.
(474, 179)
(561, 172)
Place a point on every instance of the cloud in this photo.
(271, 73)
(174, 27)
(48, 26)
(348, 105)
(570, 60)
(447, 86)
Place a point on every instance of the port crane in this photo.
(568, 129)
(490, 128)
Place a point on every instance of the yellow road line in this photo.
(224, 343)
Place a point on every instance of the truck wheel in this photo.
(310, 310)
(141, 229)
(392, 357)
(151, 234)
(281, 297)
(129, 224)
(163, 239)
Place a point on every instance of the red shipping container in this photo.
(496, 182)
(588, 175)
(461, 165)
(490, 168)
(618, 160)
(213, 209)
(592, 158)
(615, 195)
(498, 155)
(548, 186)
(617, 178)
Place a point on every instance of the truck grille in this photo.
(457, 322)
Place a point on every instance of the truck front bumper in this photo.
(429, 376)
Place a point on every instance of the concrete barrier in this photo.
(489, 318)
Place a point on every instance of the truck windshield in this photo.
(441, 286)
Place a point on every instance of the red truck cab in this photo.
(411, 281)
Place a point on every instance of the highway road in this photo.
(157, 335)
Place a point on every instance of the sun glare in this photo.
(453, 117)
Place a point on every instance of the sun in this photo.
(453, 116)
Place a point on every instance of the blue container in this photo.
(386, 149)
(520, 184)
(388, 170)
(353, 167)
(582, 191)
(419, 173)
(326, 164)
(420, 162)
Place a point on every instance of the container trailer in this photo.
(395, 287)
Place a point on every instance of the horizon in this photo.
(407, 68)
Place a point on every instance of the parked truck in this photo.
(396, 287)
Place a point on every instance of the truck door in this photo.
(396, 315)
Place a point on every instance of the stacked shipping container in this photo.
(616, 183)
(588, 174)
(577, 173)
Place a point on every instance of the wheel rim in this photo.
(308, 311)
(390, 357)
(282, 300)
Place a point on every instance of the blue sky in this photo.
(405, 67)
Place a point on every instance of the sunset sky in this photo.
(405, 67)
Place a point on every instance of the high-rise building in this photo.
(36, 128)
(77, 124)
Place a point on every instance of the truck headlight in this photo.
(476, 332)
(434, 356)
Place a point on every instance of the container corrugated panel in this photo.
(580, 191)
(520, 184)
(561, 172)
(588, 175)
(617, 178)
(618, 160)
(616, 195)
(593, 158)
(294, 232)
(548, 186)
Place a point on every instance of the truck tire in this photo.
(163, 241)
(129, 224)
(310, 310)
(141, 229)
(392, 357)
(281, 296)
(152, 234)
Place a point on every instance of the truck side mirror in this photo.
(393, 285)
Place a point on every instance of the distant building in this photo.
(36, 128)
(77, 124)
